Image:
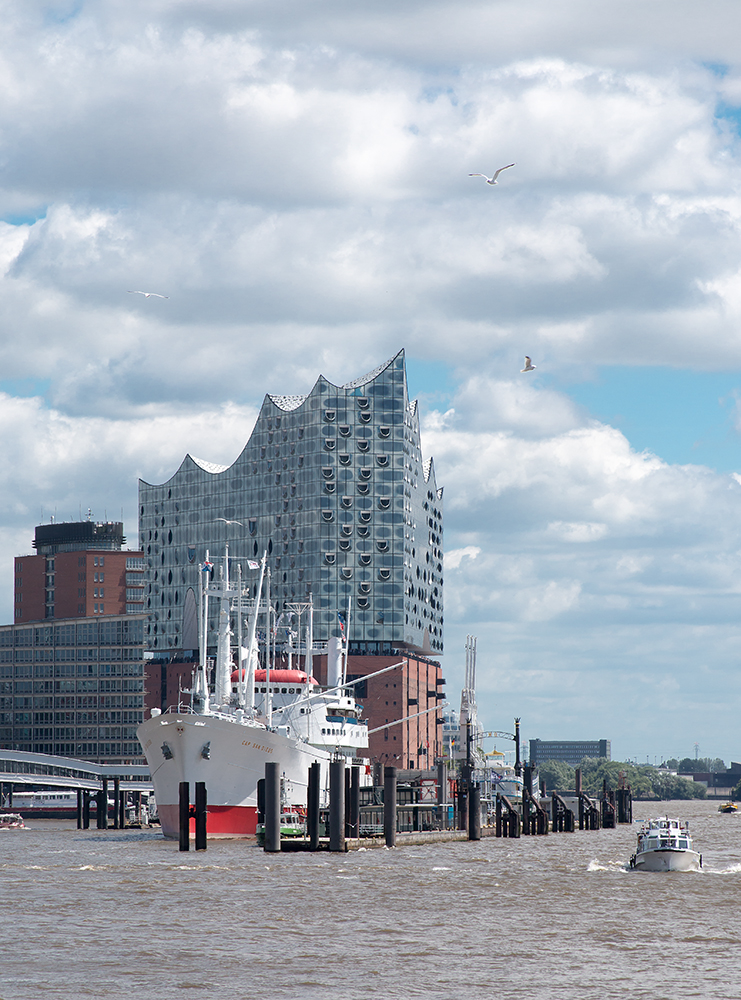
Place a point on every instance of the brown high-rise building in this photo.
(79, 570)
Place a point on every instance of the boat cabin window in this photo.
(683, 842)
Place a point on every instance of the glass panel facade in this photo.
(361, 440)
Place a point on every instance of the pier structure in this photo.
(32, 771)
(403, 811)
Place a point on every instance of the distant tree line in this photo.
(688, 765)
(646, 782)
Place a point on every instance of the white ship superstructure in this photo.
(253, 715)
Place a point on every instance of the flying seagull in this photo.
(493, 180)
(529, 366)
(148, 295)
(230, 522)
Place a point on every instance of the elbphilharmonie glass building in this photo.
(333, 487)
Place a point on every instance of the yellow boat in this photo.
(728, 807)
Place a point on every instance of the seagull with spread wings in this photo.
(529, 366)
(493, 180)
(148, 295)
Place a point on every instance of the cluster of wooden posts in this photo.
(343, 816)
(118, 817)
(344, 806)
(615, 806)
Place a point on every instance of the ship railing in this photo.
(371, 829)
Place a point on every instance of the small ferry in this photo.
(11, 821)
(292, 825)
(47, 803)
(665, 845)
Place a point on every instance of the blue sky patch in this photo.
(25, 387)
(681, 416)
(25, 218)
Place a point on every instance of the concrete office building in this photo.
(570, 751)
(74, 687)
(79, 570)
(334, 488)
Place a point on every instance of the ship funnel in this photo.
(334, 662)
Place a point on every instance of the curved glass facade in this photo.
(332, 485)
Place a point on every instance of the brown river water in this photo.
(123, 914)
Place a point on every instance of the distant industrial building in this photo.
(79, 570)
(569, 751)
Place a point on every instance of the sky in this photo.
(295, 177)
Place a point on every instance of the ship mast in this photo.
(249, 694)
(224, 666)
(268, 694)
(200, 696)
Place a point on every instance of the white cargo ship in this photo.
(254, 714)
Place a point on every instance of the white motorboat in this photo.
(11, 821)
(665, 845)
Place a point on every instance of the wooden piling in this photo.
(562, 818)
(348, 771)
(508, 825)
(79, 808)
(312, 805)
(442, 794)
(337, 805)
(354, 801)
(272, 806)
(184, 815)
(389, 805)
(201, 814)
(624, 802)
(464, 781)
(104, 815)
(261, 800)
(116, 806)
(86, 809)
(474, 812)
(607, 808)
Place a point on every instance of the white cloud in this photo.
(295, 179)
(578, 531)
(454, 558)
